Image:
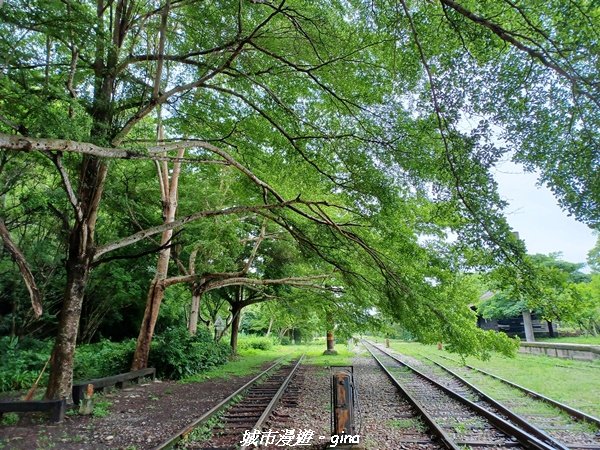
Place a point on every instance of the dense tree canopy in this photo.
(362, 133)
(556, 298)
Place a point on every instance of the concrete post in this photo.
(529, 337)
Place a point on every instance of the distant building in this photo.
(513, 326)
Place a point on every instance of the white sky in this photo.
(534, 213)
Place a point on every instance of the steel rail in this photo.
(525, 438)
(514, 417)
(169, 443)
(269, 409)
(580, 415)
(437, 430)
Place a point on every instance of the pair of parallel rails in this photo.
(247, 409)
(462, 416)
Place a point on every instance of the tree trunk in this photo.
(61, 371)
(195, 308)
(271, 320)
(550, 329)
(236, 311)
(193, 323)
(529, 337)
(156, 292)
(81, 254)
(330, 344)
(330, 341)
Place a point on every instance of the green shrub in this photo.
(176, 354)
(256, 342)
(103, 359)
(9, 419)
(23, 359)
(21, 362)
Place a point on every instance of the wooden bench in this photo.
(115, 380)
(55, 407)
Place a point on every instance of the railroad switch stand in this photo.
(343, 405)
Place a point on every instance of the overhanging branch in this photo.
(19, 258)
(28, 144)
(136, 237)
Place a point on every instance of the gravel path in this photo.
(385, 421)
(309, 409)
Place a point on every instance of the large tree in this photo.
(392, 110)
(107, 67)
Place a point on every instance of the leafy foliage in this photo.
(256, 343)
(21, 362)
(593, 258)
(103, 359)
(587, 313)
(556, 296)
(25, 358)
(390, 115)
(176, 354)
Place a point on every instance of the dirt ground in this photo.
(138, 417)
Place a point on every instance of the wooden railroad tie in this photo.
(80, 388)
(56, 408)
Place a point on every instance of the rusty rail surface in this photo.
(180, 435)
(260, 396)
(528, 438)
(577, 414)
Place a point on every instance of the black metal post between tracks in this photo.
(526, 439)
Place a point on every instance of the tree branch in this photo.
(168, 244)
(232, 162)
(162, 32)
(508, 36)
(28, 144)
(443, 129)
(136, 237)
(57, 159)
(19, 258)
(303, 282)
(259, 240)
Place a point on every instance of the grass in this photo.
(587, 340)
(205, 431)
(315, 357)
(101, 408)
(576, 383)
(517, 400)
(10, 418)
(412, 423)
(249, 361)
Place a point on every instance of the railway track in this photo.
(247, 409)
(563, 423)
(466, 418)
(572, 412)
